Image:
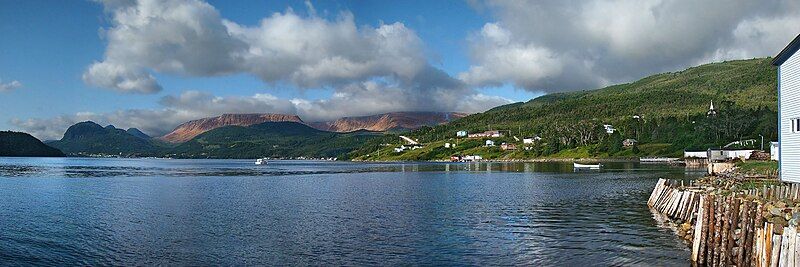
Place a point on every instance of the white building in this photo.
(531, 140)
(715, 155)
(461, 134)
(695, 154)
(489, 143)
(609, 128)
(774, 150)
(472, 158)
(788, 62)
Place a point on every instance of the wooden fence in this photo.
(752, 227)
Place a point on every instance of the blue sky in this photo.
(488, 53)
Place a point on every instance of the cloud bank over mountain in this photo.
(538, 46)
(553, 46)
(191, 105)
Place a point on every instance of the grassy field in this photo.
(768, 168)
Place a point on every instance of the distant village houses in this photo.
(489, 143)
(486, 134)
(472, 158)
(461, 134)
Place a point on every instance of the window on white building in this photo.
(796, 125)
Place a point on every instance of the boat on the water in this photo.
(586, 166)
(262, 161)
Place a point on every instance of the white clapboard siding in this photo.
(789, 109)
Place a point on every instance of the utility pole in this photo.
(762, 142)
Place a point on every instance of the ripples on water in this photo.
(213, 212)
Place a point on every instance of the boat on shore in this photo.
(586, 166)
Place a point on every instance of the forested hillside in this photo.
(666, 113)
(17, 144)
(89, 138)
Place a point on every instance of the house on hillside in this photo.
(629, 142)
(461, 134)
(788, 62)
(609, 128)
(531, 140)
(489, 143)
(508, 146)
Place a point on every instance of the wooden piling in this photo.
(728, 228)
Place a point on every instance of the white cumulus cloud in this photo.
(189, 37)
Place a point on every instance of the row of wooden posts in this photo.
(730, 229)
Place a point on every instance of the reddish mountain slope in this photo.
(189, 130)
(388, 121)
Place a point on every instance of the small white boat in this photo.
(261, 161)
(586, 166)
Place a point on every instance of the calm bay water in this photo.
(74, 211)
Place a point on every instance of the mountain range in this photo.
(244, 136)
(284, 139)
(87, 138)
(189, 130)
(395, 121)
(665, 113)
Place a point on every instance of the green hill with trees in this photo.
(89, 138)
(16, 144)
(666, 113)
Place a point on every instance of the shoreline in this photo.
(601, 160)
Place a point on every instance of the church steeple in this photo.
(711, 110)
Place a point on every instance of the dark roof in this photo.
(787, 52)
